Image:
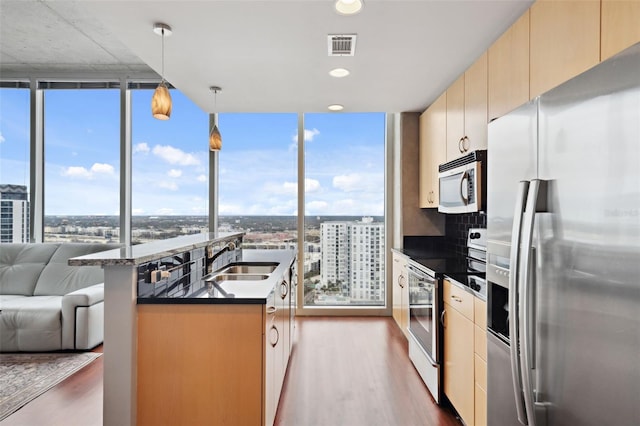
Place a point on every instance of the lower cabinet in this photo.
(212, 364)
(400, 292)
(465, 354)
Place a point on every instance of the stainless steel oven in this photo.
(424, 308)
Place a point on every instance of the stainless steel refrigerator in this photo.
(563, 266)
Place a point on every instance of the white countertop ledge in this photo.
(141, 253)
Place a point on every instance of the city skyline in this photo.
(258, 162)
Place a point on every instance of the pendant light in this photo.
(215, 138)
(161, 100)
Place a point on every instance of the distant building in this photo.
(353, 258)
(14, 214)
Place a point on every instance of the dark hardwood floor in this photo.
(352, 372)
(343, 372)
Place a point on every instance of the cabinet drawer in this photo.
(480, 342)
(459, 299)
(480, 313)
(480, 372)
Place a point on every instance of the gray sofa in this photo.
(47, 305)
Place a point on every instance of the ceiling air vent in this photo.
(341, 44)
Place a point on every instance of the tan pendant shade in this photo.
(215, 139)
(161, 102)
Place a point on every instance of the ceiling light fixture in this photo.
(339, 72)
(215, 138)
(161, 101)
(349, 7)
(335, 107)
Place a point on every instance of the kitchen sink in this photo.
(249, 268)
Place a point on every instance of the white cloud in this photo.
(309, 135)
(359, 182)
(141, 147)
(77, 171)
(348, 183)
(165, 211)
(201, 178)
(2, 139)
(311, 185)
(175, 173)
(137, 211)
(102, 168)
(171, 186)
(175, 156)
(315, 207)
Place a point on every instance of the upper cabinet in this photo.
(508, 69)
(620, 26)
(467, 111)
(564, 41)
(433, 140)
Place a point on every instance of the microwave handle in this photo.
(465, 177)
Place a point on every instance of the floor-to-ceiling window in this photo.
(170, 176)
(258, 178)
(81, 171)
(344, 255)
(14, 163)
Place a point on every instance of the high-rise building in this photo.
(14, 214)
(353, 258)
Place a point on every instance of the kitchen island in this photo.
(166, 309)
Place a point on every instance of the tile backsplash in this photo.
(457, 227)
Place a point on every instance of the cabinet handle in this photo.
(442, 317)
(271, 309)
(461, 145)
(456, 298)
(283, 293)
(467, 145)
(272, 343)
(401, 281)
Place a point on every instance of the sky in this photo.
(344, 157)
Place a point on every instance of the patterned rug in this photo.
(24, 377)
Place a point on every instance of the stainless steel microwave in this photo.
(462, 184)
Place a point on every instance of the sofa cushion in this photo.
(21, 265)
(30, 323)
(58, 278)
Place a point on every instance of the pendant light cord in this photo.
(162, 56)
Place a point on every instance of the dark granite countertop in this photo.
(233, 292)
(438, 261)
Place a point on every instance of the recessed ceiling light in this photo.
(339, 72)
(349, 7)
(335, 107)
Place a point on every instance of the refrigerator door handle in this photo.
(536, 203)
(516, 368)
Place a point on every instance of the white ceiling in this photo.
(268, 55)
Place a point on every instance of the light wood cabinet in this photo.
(213, 364)
(465, 353)
(200, 364)
(433, 131)
(455, 119)
(400, 292)
(467, 111)
(564, 41)
(459, 354)
(620, 26)
(508, 69)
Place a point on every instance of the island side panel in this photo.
(119, 396)
(200, 364)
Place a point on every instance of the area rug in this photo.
(24, 377)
